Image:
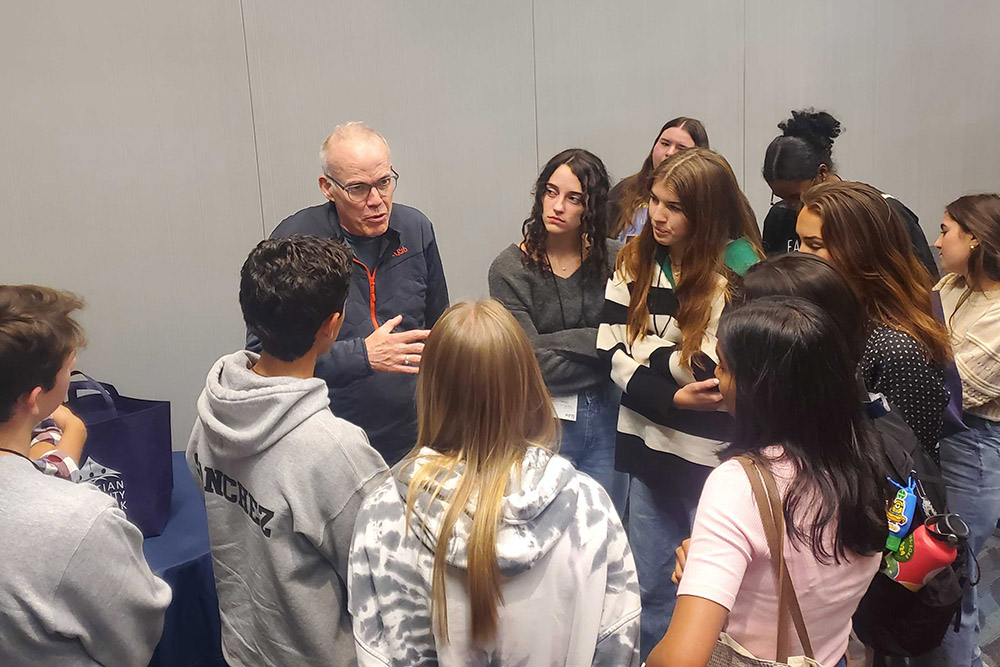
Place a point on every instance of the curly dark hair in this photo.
(289, 287)
(593, 177)
(806, 143)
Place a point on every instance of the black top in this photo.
(894, 364)
(779, 233)
(366, 248)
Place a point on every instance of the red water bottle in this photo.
(926, 551)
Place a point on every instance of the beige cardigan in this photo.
(974, 329)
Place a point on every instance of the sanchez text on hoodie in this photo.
(283, 481)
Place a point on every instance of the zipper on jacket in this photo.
(371, 289)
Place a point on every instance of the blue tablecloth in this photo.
(181, 557)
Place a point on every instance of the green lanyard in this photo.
(667, 269)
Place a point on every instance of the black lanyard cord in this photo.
(583, 294)
(562, 311)
(659, 334)
(11, 451)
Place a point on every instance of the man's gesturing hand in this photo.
(395, 352)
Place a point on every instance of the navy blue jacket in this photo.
(407, 280)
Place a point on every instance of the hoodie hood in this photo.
(537, 508)
(244, 413)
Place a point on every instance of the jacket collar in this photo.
(337, 232)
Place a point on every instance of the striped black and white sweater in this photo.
(649, 372)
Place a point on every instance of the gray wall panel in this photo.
(130, 179)
(938, 92)
(610, 74)
(915, 84)
(137, 132)
(802, 54)
(449, 84)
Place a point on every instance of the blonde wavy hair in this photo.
(481, 402)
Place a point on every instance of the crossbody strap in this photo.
(773, 519)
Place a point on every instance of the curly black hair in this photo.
(806, 143)
(593, 177)
(289, 287)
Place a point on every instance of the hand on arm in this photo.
(703, 395)
(395, 352)
(681, 553)
(74, 435)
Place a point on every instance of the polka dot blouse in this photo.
(894, 364)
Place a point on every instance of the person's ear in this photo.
(326, 187)
(330, 328)
(821, 174)
(28, 403)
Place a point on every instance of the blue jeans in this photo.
(970, 466)
(589, 442)
(659, 520)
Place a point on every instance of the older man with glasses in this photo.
(397, 289)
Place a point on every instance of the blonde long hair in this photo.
(481, 402)
(719, 213)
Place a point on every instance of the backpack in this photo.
(892, 619)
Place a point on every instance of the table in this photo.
(181, 557)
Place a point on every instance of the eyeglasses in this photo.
(359, 192)
(791, 203)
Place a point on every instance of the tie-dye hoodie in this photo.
(571, 596)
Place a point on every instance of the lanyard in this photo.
(667, 270)
(11, 451)
(583, 294)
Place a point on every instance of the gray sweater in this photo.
(283, 481)
(565, 338)
(76, 589)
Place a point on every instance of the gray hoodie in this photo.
(571, 596)
(283, 481)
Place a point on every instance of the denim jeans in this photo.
(970, 466)
(589, 442)
(660, 519)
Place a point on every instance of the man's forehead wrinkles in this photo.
(353, 164)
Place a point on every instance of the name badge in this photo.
(565, 407)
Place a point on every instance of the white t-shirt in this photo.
(729, 563)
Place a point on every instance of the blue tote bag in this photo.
(128, 449)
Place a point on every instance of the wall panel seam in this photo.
(253, 122)
(534, 85)
(743, 94)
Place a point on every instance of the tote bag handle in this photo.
(109, 393)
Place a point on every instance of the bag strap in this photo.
(773, 520)
(108, 393)
(792, 600)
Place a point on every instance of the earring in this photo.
(973, 246)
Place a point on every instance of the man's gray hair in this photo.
(355, 130)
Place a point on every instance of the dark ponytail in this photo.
(805, 144)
